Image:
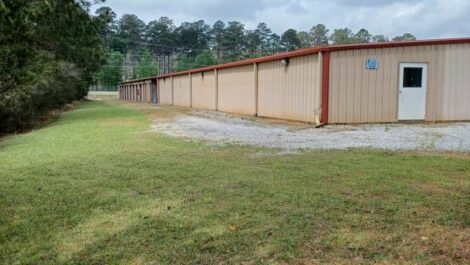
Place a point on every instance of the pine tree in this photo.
(290, 40)
(147, 65)
(111, 73)
(204, 59)
(319, 34)
(405, 37)
(342, 36)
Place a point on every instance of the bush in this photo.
(48, 53)
(47, 84)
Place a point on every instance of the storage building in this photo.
(427, 80)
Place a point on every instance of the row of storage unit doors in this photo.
(142, 91)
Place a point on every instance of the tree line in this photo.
(131, 42)
(50, 52)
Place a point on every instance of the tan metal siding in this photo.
(165, 90)
(453, 102)
(236, 92)
(144, 92)
(181, 91)
(292, 92)
(203, 90)
(358, 95)
(149, 92)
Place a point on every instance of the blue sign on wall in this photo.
(372, 64)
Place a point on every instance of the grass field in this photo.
(97, 187)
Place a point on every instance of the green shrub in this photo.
(49, 51)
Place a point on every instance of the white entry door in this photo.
(412, 91)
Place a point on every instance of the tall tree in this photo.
(319, 34)
(253, 43)
(147, 65)
(264, 34)
(193, 37)
(185, 62)
(362, 36)
(111, 73)
(305, 38)
(217, 38)
(342, 36)
(160, 35)
(234, 41)
(405, 37)
(274, 44)
(379, 38)
(108, 19)
(290, 40)
(131, 29)
(204, 59)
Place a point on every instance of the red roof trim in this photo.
(346, 47)
(315, 50)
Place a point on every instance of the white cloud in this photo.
(424, 18)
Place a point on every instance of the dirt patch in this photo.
(439, 244)
(156, 113)
(435, 188)
(165, 114)
(427, 243)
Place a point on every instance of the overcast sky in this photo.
(423, 18)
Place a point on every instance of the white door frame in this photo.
(406, 110)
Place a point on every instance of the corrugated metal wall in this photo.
(181, 91)
(237, 90)
(292, 92)
(146, 92)
(204, 90)
(452, 100)
(358, 95)
(165, 91)
(149, 91)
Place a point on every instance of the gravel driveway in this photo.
(225, 128)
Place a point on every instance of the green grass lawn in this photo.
(97, 187)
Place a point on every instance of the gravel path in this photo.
(224, 128)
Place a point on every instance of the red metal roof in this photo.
(308, 51)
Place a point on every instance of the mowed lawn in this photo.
(98, 187)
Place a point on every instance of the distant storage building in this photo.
(425, 80)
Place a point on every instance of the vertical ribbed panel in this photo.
(455, 103)
(292, 92)
(164, 86)
(237, 90)
(181, 91)
(358, 95)
(149, 92)
(204, 90)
